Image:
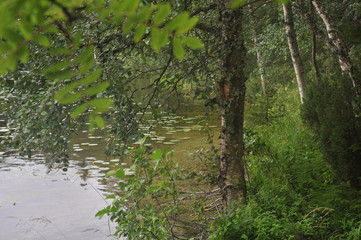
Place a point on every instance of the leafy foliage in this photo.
(292, 193)
(41, 22)
(329, 111)
(141, 210)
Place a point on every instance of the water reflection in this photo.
(36, 204)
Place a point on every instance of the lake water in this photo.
(38, 204)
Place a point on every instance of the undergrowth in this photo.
(292, 192)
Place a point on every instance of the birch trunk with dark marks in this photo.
(293, 46)
(338, 47)
(231, 94)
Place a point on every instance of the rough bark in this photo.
(231, 91)
(293, 46)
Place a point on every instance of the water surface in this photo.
(38, 204)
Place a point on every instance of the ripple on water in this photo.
(99, 162)
(114, 160)
(4, 130)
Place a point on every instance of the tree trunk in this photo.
(314, 48)
(231, 94)
(261, 70)
(258, 55)
(333, 41)
(339, 47)
(293, 46)
(314, 59)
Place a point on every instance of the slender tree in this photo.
(332, 40)
(259, 59)
(293, 46)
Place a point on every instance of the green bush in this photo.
(292, 192)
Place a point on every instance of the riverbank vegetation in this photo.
(283, 76)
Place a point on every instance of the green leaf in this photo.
(282, 1)
(159, 38)
(76, 39)
(65, 91)
(87, 66)
(86, 55)
(3, 69)
(101, 104)
(23, 54)
(11, 62)
(139, 32)
(145, 13)
(91, 122)
(70, 98)
(26, 29)
(177, 21)
(102, 212)
(161, 14)
(59, 51)
(4, 47)
(178, 49)
(99, 121)
(111, 196)
(142, 140)
(131, 5)
(156, 154)
(92, 77)
(152, 189)
(110, 173)
(128, 26)
(193, 42)
(57, 67)
(42, 40)
(13, 37)
(51, 29)
(120, 173)
(78, 110)
(187, 25)
(237, 3)
(60, 75)
(97, 88)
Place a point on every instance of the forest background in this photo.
(289, 161)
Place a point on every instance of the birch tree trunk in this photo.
(293, 46)
(338, 47)
(259, 63)
(261, 70)
(259, 59)
(231, 94)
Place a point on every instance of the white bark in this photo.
(339, 47)
(260, 68)
(293, 46)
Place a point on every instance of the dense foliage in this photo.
(293, 193)
(106, 63)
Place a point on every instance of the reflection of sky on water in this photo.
(35, 204)
(38, 204)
